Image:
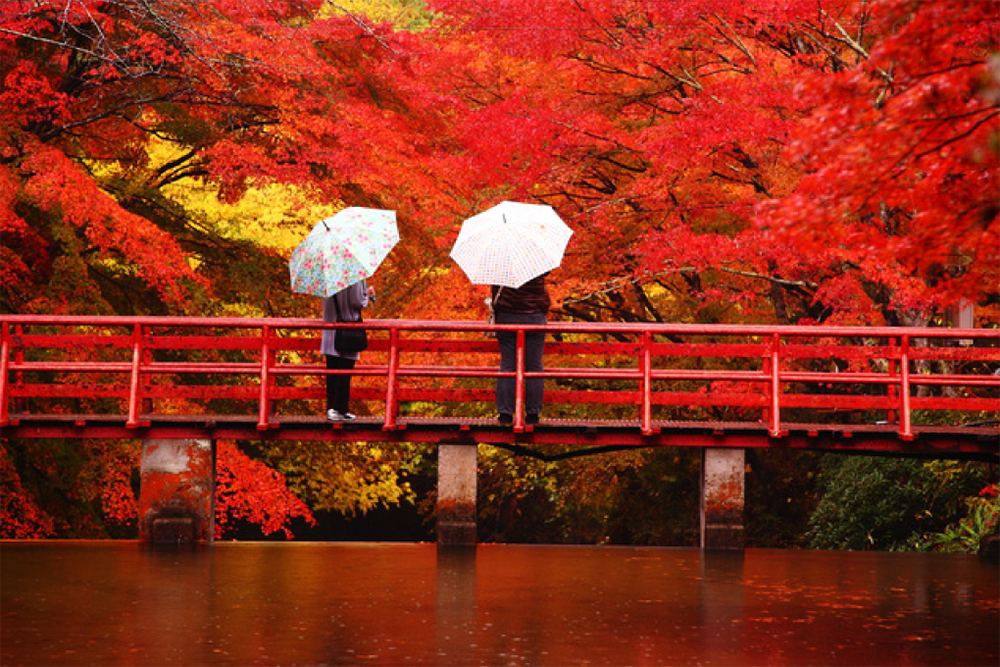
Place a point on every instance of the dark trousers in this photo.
(534, 350)
(338, 387)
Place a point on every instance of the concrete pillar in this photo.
(456, 499)
(989, 548)
(177, 491)
(722, 484)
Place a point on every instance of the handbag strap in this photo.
(336, 309)
(493, 302)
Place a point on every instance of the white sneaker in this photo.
(334, 416)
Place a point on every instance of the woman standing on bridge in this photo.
(527, 304)
(344, 306)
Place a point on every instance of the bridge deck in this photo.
(979, 442)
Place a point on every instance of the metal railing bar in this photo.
(477, 326)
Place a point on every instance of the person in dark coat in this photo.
(344, 306)
(527, 304)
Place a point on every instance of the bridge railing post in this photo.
(392, 382)
(266, 362)
(647, 381)
(20, 404)
(4, 363)
(905, 423)
(135, 384)
(774, 416)
(892, 388)
(519, 383)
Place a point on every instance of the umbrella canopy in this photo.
(510, 244)
(342, 250)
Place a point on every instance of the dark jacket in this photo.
(531, 297)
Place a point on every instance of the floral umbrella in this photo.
(511, 243)
(342, 250)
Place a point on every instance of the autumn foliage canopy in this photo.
(775, 161)
(780, 161)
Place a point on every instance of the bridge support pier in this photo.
(177, 491)
(722, 493)
(456, 498)
(989, 548)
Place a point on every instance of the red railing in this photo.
(651, 374)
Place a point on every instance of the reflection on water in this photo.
(107, 603)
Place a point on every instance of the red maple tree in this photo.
(787, 161)
(674, 137)
(899, 150)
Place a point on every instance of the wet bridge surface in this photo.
(908, 391)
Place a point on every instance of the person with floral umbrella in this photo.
(333, 262)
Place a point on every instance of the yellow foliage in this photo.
(411, 15)
(277, 216)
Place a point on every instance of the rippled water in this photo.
(107, 603)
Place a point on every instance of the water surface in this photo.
(109, 603)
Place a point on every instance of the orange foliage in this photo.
(250, 491)
(20, 515)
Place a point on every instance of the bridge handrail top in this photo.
(479, 325)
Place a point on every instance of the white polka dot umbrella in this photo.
(342, 250)
(510, 244)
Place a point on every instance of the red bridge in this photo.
(907, 391)
(918, 391)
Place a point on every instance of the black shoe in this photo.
(505, 418)
(531, 419)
